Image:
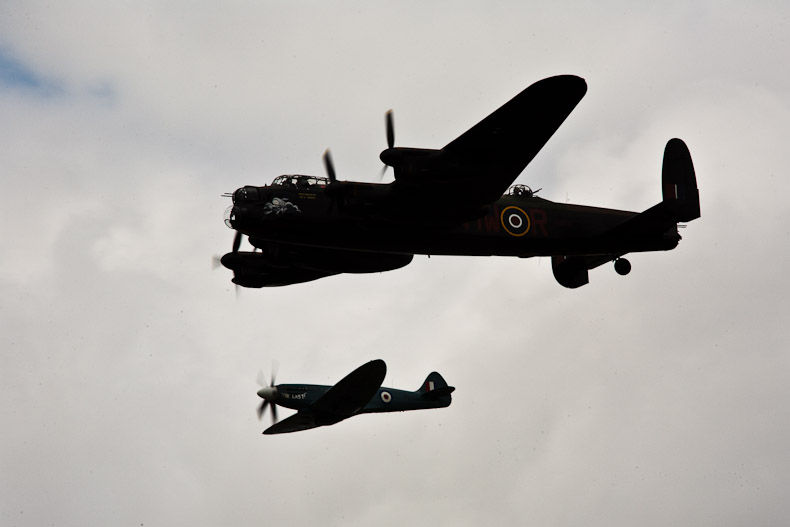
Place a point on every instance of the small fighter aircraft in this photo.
(359, 392)
(453, 201)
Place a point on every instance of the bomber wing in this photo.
(478, 167)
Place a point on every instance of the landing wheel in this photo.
(622, 266)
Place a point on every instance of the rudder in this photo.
(679, 182)
(435, 386)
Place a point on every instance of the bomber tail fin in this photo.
(680, 204)
(679, 182)
(435, 386)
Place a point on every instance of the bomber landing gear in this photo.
(622, 266)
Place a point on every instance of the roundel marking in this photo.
(386, 397)
(515, 221)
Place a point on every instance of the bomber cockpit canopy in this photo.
(521, 191)
(300, 182)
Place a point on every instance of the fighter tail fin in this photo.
(435, 386)
(679, 182)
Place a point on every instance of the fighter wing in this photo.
(295, 423)
(498, 148)
(341, 401)
(348, 396)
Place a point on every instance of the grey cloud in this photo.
(128, 372)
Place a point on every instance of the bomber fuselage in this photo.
(377, 218)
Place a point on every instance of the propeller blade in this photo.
(275, 367)
(390, 129)
(236, 242)
(216, 261)
(390, 125)
(262, 408)
(263, 384)
(330, 167)
(261, 379)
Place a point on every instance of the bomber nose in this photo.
(230, 216)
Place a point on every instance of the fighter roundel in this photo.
(515, 221)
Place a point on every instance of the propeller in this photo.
(390, 129)
(268, 393)
(333, 193)
(390, 138)
(216, 261)
(330, 167)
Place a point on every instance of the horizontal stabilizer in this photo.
(655, 221)
(573, 271)
(570, 271)
(444, 391)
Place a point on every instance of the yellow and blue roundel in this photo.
(515, 221)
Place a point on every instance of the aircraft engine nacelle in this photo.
(358, 262)
(420, 165)
(251, 269)
(330, 261)
(279, 265)
(275, 278)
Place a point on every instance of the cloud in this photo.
(15, 75)
(129, 372)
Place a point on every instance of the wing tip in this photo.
(567, 83)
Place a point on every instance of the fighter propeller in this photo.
(268, 393)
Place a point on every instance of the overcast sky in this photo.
(127, 378)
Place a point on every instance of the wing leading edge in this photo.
(341, 401)
(498, 148)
